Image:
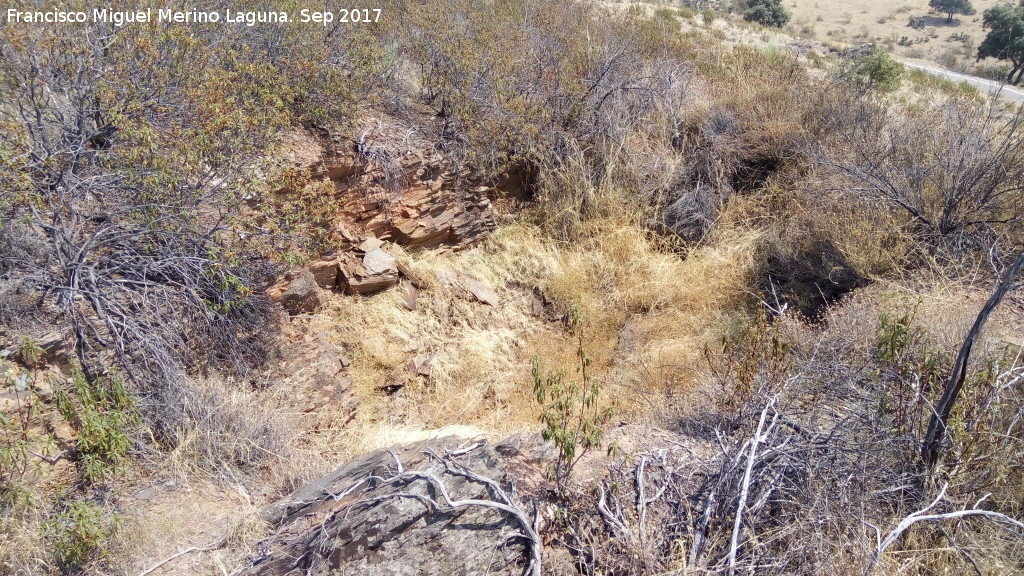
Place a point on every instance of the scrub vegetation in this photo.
(774, 250)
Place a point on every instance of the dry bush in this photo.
(957, 184)
(565, 101)
(212, 425)
(853, 404)
(818, 447)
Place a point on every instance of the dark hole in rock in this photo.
(390, 389)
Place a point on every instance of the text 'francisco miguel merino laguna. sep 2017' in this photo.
(169, 16)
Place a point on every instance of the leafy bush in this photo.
(102, 413)
(879, 71)
(573, 417)
(911, 370)
(77, 533)
(1005, 25)
(766, 13)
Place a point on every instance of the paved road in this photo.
(982, 84)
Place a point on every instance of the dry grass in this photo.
(221, 521)
(221, 426)
(23, 551)
(616, 273)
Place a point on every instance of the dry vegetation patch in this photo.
(773, 263)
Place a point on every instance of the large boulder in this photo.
(353, 521)
(297, 292)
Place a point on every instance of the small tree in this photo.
(1005, 39)
(951, 7)
(572, 417)
(766, 12)
(880, 72)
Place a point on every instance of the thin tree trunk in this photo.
(931, 448)
(1017, 68)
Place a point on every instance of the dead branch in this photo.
(154, 567)
(642, 502)
(446, 505)
(611, 519)
(759, 436)
(930, 449)
(923, 516)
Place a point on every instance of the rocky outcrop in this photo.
(356, 521)
(406, 193)
(390, 185)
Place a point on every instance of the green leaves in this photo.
(573, 416)
(951, 7)
(880, 71)
(911, 370)
(102, 413)
(766, 13)
(1005, 39)
(77, 533)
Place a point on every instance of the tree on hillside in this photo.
(1005, 40)
(880, 72)
(951, 7)
(766, 12)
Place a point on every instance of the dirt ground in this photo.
(952, 44)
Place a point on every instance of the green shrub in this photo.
(101, 413)
(766, 13)
(752, 364)
(77, 533)
(911, 370)
(879, 71)
(573, 417)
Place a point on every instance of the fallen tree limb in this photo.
(930, 448)
(923, 516)
(446, 504)
(156, 566)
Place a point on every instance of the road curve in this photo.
(987, 86)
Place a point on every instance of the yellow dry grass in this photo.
(219, 523)
(647, 312)
(22, 547)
